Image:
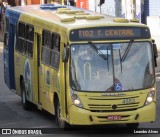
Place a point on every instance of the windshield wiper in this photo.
(127, 50)
(120, 59)
(97, 51)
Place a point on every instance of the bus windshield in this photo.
(111, 66)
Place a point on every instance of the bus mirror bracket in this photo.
(155, 52)
(65, 54)
(155, 49)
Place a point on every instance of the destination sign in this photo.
(109, 33)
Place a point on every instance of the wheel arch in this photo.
(55, 100)
(21, 79)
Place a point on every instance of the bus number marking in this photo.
(128, 101)
(86, 33)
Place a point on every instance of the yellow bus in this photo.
(83, 67)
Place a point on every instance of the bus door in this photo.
(41, 96)
(8, 57)
(38, 39)
(5, 59)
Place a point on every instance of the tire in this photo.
(132, 125)
(60, 122)
(25, 103)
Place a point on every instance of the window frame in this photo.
(48, 56)
(26, 41)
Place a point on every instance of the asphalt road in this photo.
(12, 114)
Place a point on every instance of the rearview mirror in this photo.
(65, 54)
(155, 52)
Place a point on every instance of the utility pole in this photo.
(100, 4)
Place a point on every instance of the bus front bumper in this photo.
(79, 116)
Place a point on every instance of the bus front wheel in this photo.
(60, 122)
(25, 102)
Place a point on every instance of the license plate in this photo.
(113, 117)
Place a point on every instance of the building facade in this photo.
(118, 8)
(152, 7)
(146, 11)
(29, 2)
(152, 19)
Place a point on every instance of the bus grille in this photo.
(113, 104)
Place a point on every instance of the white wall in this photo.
(23, 2)
(92, 5)
(128, 9)
(110, 7)
(154, 24)
(132, 10)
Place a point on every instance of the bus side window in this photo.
(20, 46)
(6, 38)
(6, 35)
(55, 55)
(30, 32)
(44, 52)
(46, 46)
(56, 42)
(29, 40)
(21, 30)
(7, 24)
(55, 58)
(46, 39)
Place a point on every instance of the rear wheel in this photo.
(60, 122)
(132, 125)
(26, 104)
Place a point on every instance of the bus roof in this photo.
(69, 17)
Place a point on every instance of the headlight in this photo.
(76, 100)
(150, 97)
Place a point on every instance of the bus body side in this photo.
(44, 77)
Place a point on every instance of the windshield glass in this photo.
(111, 66)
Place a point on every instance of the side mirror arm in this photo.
(65, 54)
(155, 52)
